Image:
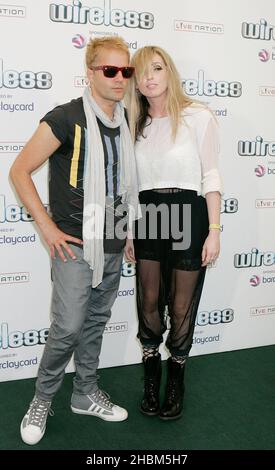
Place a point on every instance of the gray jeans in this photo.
(79, 316)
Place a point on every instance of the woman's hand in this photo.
(211, 247)
(129, 251)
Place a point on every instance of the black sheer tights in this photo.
(157, 286)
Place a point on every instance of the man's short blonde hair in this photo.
(105, 42)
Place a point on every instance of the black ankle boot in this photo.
(152, 376)
(172, 407)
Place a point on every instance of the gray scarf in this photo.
(94, 181)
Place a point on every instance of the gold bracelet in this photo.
(216, 226)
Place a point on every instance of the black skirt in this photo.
(172, 229)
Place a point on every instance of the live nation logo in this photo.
(265, 203)
(265, 310)
(267, 91)
(11, 147)
(118, 327)
(198, 27)
(80, 81)
(14, 11)
(14, 278)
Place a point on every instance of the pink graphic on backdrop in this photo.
(79, 41)
(254, 280)
(260, 171)
(263, 55)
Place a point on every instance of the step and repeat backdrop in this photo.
(225, 52)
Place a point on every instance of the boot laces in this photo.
(150, 385)
(172, 389)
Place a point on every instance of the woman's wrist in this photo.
(215, 227)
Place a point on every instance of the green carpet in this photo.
(229, 404)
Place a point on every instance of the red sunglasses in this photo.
(110, 71)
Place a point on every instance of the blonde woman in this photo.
(176, 146)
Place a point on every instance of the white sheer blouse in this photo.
(188, 162)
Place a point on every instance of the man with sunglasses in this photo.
(92, 186)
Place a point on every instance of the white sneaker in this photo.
(98, 404)
(33, 425)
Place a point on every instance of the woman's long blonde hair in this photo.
(137, 104)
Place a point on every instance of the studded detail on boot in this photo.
(152, 375)
(172, 407)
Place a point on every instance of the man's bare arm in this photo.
(37, 150)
